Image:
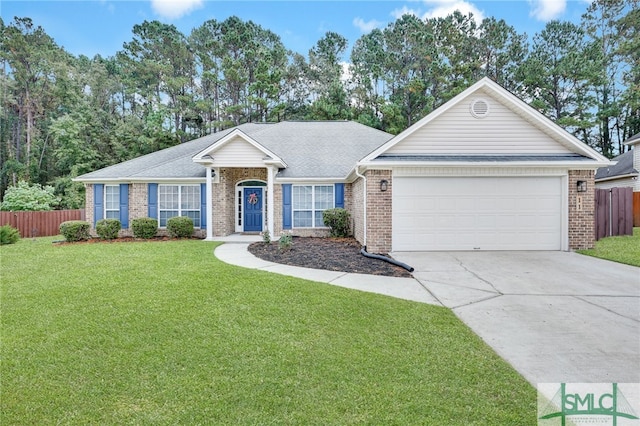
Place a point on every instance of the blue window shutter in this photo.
(286, 206)
(152, 197)
(98, 203)
(203, 205)
(339, 194)
(124, 205)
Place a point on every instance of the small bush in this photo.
(108, 229)
(266, 236)
(144, 227)
(75, 230)
(338, 220)
(180, 227)
(8, 235)
(285, 242)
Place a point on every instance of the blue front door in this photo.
(252, 209)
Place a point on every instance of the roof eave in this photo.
(625, 176)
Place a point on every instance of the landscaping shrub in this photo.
(285, 242)
(75, 230)
(108, 229)
(8, 235)
(144, 227)
(180, 227)
(338, 220)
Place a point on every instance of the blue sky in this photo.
(101, 26)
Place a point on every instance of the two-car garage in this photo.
(477, 213)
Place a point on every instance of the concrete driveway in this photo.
(555, 316)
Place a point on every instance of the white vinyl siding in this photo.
(112, 202)
(239, 153)
(178, 200)
(477, 213)
(308, 203)
(501, 132)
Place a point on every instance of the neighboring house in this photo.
(624, 173)
(483, 172)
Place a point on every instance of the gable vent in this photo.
(479, 108)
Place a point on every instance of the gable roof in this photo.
(304, 150)
(633, 140)
(545, 137)
(623, 168)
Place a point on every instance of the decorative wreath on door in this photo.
(253, 198)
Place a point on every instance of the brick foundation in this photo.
(581, 211)
(379, 208)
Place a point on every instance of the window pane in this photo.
(319, 221)
(302, 219)
(190, 197)
(194, 216)
(112, 197)
(302, 197)
(166, 214)
(112, 214)
(168, 197)
(324, 197)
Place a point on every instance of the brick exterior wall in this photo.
(379, 206)
(581, 210)
(88, 205)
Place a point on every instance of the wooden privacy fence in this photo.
(614, 212)
(636, 209)
(39, 224)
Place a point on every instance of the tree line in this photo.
(64, 115)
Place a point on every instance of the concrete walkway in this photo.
(235, 252)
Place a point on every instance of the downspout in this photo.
(364, 179)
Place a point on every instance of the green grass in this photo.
(162, 333)
(622, 249)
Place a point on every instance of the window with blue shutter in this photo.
(152, 197)
(124, 205)
(339, 194)
(98, 202)
(286, 206)
(203, 205)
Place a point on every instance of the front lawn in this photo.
(622, 249)
(162, 333)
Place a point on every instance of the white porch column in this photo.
(270, 206)
(209, 205)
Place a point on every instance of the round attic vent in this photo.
(479, 108)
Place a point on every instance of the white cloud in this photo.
(367, 27)
(546, 10)
(398, 13)
(174, 9)
(442, 9)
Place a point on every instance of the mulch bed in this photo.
(333, 254)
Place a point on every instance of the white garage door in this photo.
(480, 213)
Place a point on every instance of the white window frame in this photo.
(314, 210)
(115, 212)
(180, 209)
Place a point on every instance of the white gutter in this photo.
(365, 204)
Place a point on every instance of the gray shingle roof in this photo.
(313, 149)
(622, 168)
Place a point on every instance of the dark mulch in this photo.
(333, 254)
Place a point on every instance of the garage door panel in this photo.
(496, 213)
